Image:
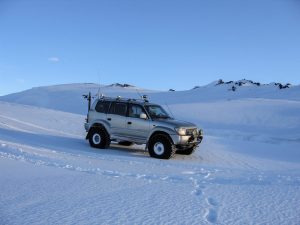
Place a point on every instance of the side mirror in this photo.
(143, 116)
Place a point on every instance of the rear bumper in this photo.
(86, 127)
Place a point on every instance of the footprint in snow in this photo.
(198, 189)
(211, 201)
(197, 192)
(211, 214)
(111, 173)
(207, 175)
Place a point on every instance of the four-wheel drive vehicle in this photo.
(129, 121)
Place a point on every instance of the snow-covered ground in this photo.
(246, 171)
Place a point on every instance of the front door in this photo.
(137, 128)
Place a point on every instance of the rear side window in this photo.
(118, 108)
(102, 106)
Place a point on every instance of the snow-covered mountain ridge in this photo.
(68, 97)
(247, 83)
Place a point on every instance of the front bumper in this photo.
(187, 140)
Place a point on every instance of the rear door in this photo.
(116, 117)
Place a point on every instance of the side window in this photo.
(102, 106)
(118, 108)
(135, 111)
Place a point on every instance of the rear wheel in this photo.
(160, 146)
(99, 138)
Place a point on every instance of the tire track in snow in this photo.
(31, 125)
(17, 153)
(194, 176)
(198, 178)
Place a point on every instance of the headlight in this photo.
(181, 131)
(200, 132)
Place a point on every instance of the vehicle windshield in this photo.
(157, 112)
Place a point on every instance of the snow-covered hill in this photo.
(253, 108)
(246, 171)
(68, 97)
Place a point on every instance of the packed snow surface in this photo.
(246, 170)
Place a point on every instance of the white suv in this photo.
(129, 121)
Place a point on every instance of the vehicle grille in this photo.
(192, 131)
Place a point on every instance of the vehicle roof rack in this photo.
(119, 98)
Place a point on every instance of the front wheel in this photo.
(99, 138)
(160, 146)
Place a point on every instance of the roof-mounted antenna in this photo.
(169, 110)
(99, 94)
(138, 93)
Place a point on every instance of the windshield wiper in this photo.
(162, 116)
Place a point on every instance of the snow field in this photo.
(246, 171)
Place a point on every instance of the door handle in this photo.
(129, 122)
(109, 119)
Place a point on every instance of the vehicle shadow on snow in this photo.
(137, 150)
(67, 144)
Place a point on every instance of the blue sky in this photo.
(157, 44)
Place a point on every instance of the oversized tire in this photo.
(187, 151)
(160, 146)
(125, 143)
(99, 138)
